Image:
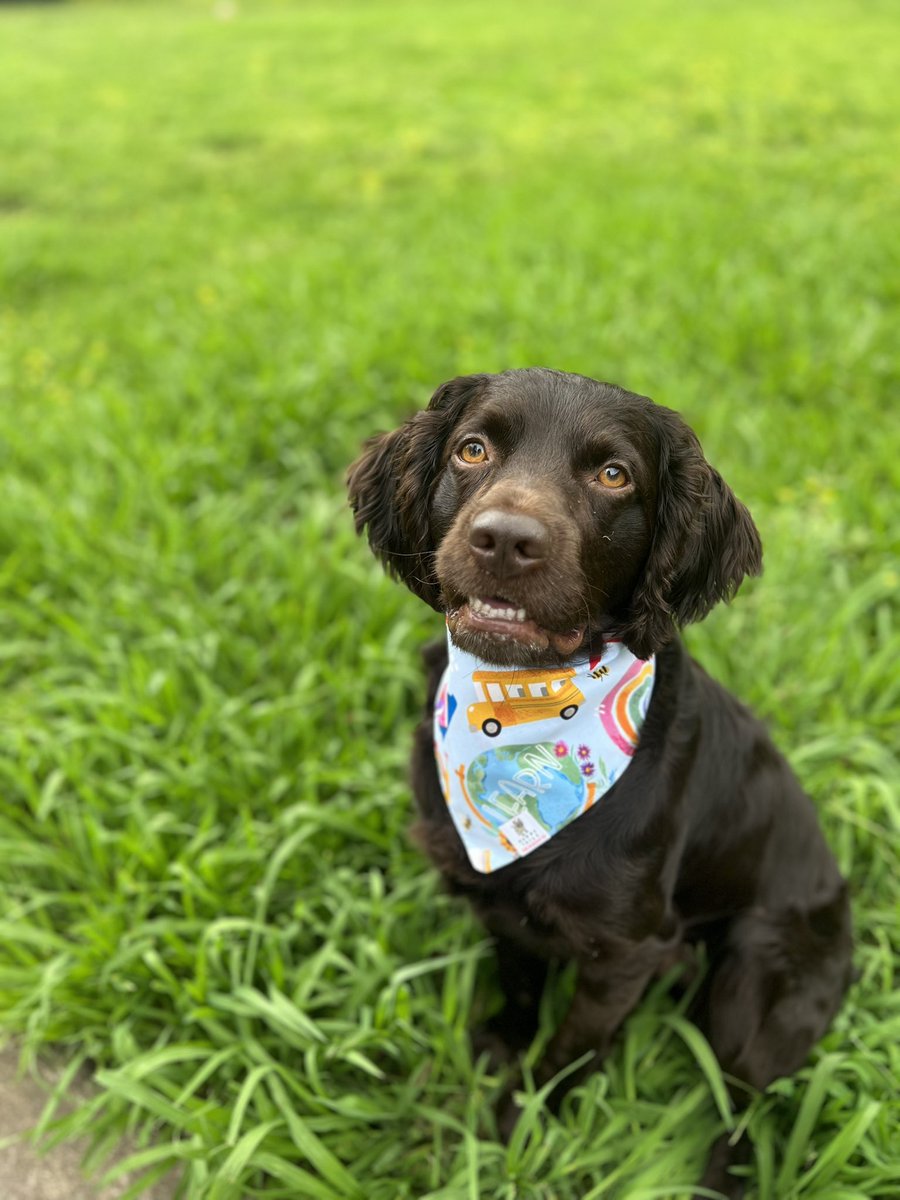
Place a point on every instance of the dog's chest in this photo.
(558, 900)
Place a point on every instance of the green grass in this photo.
(230, 250)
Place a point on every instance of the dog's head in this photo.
(545, 513)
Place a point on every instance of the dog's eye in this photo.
(473, 452)
(612, 476)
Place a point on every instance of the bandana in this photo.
(523, 752)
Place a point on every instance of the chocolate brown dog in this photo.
(562, 525)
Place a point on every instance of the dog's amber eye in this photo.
(473, 452)
(612, 477)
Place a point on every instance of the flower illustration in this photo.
(587, 768)
(584, 752)
(561, 749)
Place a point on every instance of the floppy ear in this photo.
(391, 483)
(704, 543)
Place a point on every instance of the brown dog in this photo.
(567, 528)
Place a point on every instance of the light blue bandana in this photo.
(522, 752)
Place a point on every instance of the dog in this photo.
(580, 780)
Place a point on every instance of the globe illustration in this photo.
(503, 782)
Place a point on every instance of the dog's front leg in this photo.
(521, 975)
(606, 991)
(608, 987)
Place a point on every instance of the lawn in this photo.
(235, 241)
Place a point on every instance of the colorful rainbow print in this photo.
(621, 711)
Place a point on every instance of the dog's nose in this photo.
(508, 543)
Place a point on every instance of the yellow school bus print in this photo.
(514, 698)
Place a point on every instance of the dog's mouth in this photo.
(506, 621)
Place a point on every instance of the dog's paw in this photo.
(717, 1175)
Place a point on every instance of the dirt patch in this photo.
(27, 1174)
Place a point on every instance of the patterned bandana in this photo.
(509, 789)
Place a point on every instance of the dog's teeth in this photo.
(489, 610)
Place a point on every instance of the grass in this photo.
(231, 249)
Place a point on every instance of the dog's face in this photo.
(544, 513)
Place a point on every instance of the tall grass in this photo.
(232, 248)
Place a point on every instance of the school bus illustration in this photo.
(516, 698)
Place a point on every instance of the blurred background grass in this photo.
(238, 238)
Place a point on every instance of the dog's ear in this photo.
(391, 483)
(704, 543)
